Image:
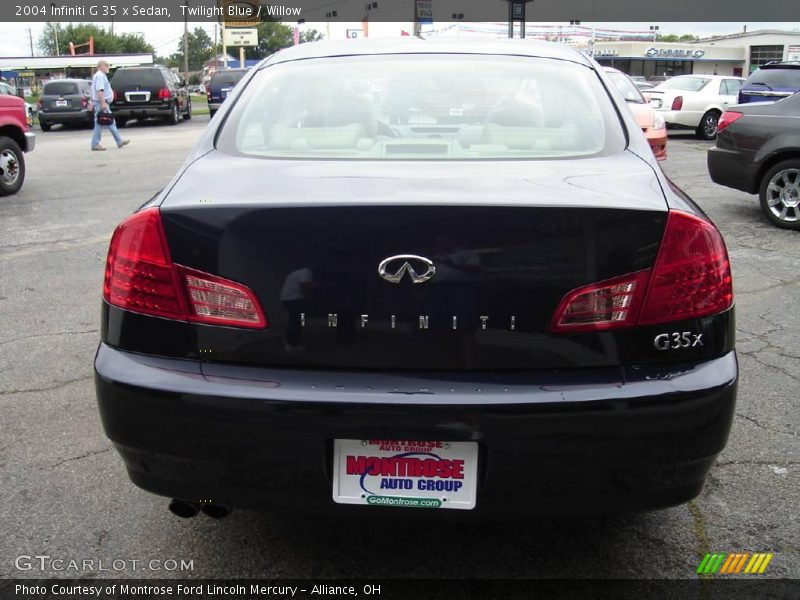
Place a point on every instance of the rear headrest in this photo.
(347, 109)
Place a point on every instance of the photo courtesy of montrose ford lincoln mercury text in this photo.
(404, 273)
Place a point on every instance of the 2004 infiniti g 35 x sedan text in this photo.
(419, 274)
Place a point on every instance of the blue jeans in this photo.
(98, 129)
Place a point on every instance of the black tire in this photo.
(45, 126)
(211, 113)
(174, 117)
(120, 122)
(779, 194)
(12, 167)
(707, 130)
(188, 115)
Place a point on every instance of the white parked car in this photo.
(695, 101)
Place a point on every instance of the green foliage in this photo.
(671, 37)
(79, 33)
(201, 49)
(274, 36)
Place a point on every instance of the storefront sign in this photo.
(653, 52)
(793, 53)
(603, 52)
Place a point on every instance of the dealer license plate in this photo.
(61, 102)
(406, 474)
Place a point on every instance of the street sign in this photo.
(241, 37)
(240, 13)
(425, 11)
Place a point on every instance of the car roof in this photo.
(704, 76)
(414, 45)
(142, 68)
(781, 65)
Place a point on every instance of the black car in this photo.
(144, 92)
(758, 152)
(220, 85)
(66, 102)
(771, 82)
(407, 273)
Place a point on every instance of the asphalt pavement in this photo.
(65, 494)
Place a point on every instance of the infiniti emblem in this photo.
(419, 268)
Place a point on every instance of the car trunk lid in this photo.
(508, 241)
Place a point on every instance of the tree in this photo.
(274, 36)
(201, 49)
(79, 33)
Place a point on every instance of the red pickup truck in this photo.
(15, 139)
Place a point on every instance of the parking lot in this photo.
(65, 493)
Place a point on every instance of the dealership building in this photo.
(30, 71)
(737, 54)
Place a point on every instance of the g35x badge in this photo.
(677, 340)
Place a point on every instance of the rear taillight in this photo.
(692, 274)
(691, 278)
(40, 104)
(164, 94)
(728, 117)
(605, 305)
(141, 277)
(208, 92)
(84, 103)
(677, 103)
(219, 301)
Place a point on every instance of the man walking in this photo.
(102, 95)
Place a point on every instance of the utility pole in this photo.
(55, 32)
(30, 37)
(186, 41)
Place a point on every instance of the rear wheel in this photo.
(188, 114)
(120, 122)
(45, 126)
(174, 117)
(780, 194)
(707, 130)
(211, 113)
(12, 167)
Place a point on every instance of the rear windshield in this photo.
(775, 79)
(143, 77)
(60, 88)
(225, 77)
(689, 84)
(626, 87)
(450, 107)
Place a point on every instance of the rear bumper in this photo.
(657, 138)
(599, 441)
(151, 110)
(681, 118)
(81, 116)
(730, 168)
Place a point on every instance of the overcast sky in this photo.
(15, 41)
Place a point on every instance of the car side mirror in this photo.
(647, 98)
